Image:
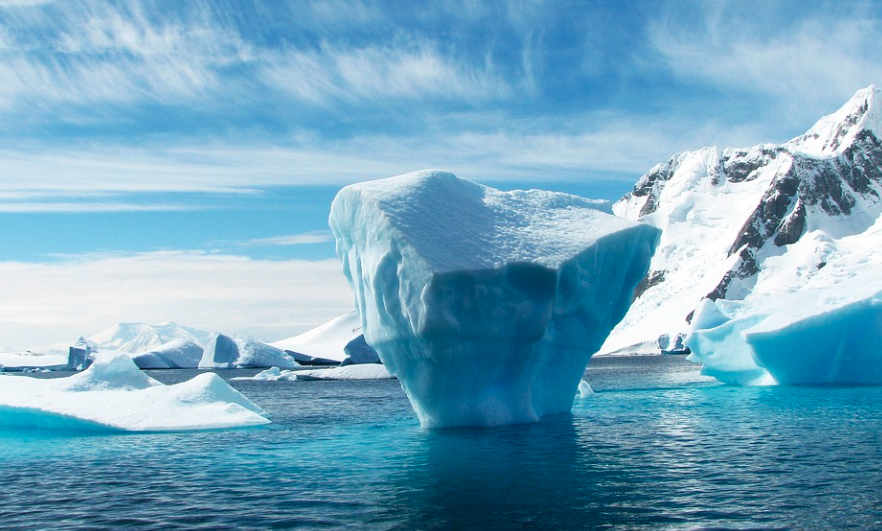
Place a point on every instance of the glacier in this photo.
(486, 305)
(113, 394)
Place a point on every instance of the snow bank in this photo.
(487, 305)
(367, 371)
(114, 394)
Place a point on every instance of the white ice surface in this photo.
(176, 354)
(114, 394)
(226, 352)
(365, 371)
(487, 305)
(18, 360)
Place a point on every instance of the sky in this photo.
(175, 161)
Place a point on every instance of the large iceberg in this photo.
(487, 305)
(114, 394)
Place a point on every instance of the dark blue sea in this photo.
(657, 447)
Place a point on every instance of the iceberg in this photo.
(225, 352)
(808, 325)
(486, 305)
(176, 354)
(367, 371)
(814, 337)
(113, 394)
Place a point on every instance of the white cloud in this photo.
(303, 238)
(21, 207)
(44, 303)
(809, 61)
(415, 71)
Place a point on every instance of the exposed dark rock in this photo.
(653, 278)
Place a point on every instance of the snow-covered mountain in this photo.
(727, 215)
(140, 337)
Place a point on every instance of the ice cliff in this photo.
(486, 305)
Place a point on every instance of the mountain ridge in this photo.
(723, 212)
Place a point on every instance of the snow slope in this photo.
(486, 305)
(731, 216)
(114, 394)
(340, 340)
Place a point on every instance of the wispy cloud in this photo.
(304, 238)
(414, 71)
(85, 206)
(48, 302)
(805, 60)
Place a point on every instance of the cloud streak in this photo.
(304, 238)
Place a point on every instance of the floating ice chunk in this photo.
(114, 394)
(22, 361)
(819, 336)
(366, 371)
(838, 345)
(585, 389)
(225, 352)
(487, 305)
(176, 354)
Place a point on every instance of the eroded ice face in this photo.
(486, 305)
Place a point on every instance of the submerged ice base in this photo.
(486, 305)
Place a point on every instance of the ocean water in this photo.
(658, 447)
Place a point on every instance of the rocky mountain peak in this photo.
(835, 132)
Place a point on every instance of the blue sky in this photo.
(171, 160)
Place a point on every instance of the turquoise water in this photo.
(658, 447)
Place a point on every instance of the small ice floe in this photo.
(585, 390)
(114, 394)
(367, 371)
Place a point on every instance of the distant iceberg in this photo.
(226, 352)
(113, 394)
(487, 305)
(366, 371)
